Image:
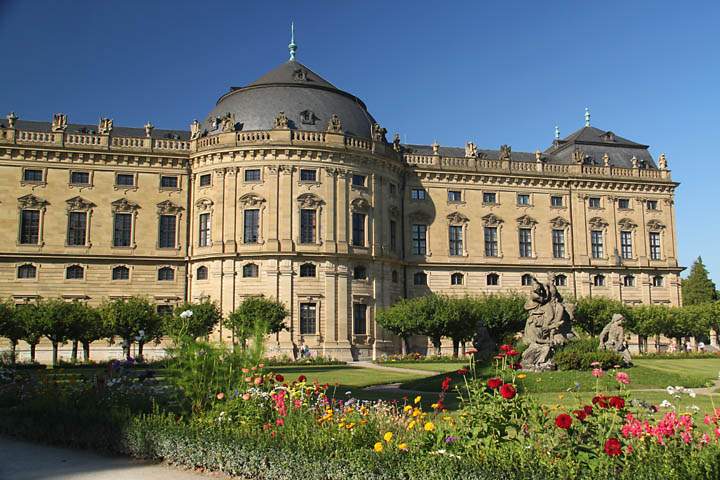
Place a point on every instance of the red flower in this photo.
(302, 378)
(580, 414)
(494, 382)
(600, 401)
(445, 384)
(516, 366)
(462, 371)
(612, 447)
(507, 391)
(505, 348)
(279, 422)
(617, 402)
(563, 421)
(512, 353)
(279, 378)
(470, 351)
(588, 409)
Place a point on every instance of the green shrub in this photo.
(581, 353)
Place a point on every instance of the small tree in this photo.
(200, 322)
(501, 314)
(697, 288)
(132, 319)
(29, 316)
(254, 312)
(87, 326)
(10, 327)
(56, 316)
(433, 313)
(402, 319)
(462, 318)
(593, 313)
(649, 320)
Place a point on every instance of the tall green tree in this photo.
(593, 313)
(650, 321)
(57, 317)
(257, 312)
(697, 288)
(432, 312)
(10, 327)
(193, 320)
(87, 326)
(462, 318)
(501, 314)
(132, 319)
(29, 316)
(403, 319)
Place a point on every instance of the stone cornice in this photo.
(10, 153)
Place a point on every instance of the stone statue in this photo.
(334, 124)
(662, 162)
(435, 148)
(612, 338)
(149, 127)
(505, 152)
(194, 130)
(227, 122)
(59, 122)
(105, 126)
(549, 324)
(378, 133)
(12, 119)
(281, 121)
(396, 143)
(471, 150)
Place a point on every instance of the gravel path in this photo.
(20, 460)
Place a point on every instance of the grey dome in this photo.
(304, 97)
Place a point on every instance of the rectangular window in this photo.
(77, 224)
(393, 189)
(490, 198)
(308, 175)
(623, 203)
(419, 239)
(80, 178)
(167, 181)
(652, 205)
(358, 180)
(125, 179)
(359, 319)
(308, 318)
(358, 229)
(454, 196)
(556, 201)
(167, 230)
(122, 229)
(456, 243)
(654, 246)
(251, 225)
(418, 194)
(491, 241)
(30, 227)
(393, 235)
(525, 241)
(594, 202)
(32, 175)
(205, 180)
(626, 249)
(558, 243)
(308, 225)
(252, 175)
(596, 244)
(204, 230)
(523, 199)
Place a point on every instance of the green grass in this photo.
(349, 376)
(428, 366)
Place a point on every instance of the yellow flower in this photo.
(407, 408)
(416, 412)
(403, 447)
(388, 437)
(411, 425)
(417, 399)
(521, 376)
(341, 424)
(434, 406)
(429, 427)
(350, 425)
(378, 447)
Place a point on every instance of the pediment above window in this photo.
(491, 220)
(627, 224)
(360, 205)
(526, 221)
(559, 222)
(655, 225)
(309, 200)
(31, 201)
(598, 223)
(168, 207)
(251, 200)
(204, 204)
(457, 218)
(124, 205)
(78, 204)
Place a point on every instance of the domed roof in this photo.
(306, 99)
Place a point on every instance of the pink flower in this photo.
(597, 372)
(246, 396)
(279, 422)
(595, 364)
(623, 378)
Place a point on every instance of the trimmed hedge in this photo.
(580, 354)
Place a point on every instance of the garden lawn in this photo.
(427, 366)
(355, 377)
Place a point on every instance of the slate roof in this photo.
(157, 133)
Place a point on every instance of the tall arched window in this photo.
(27, 271)
(250, 270)
(121, 272)
(201, 273)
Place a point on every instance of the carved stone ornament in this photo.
(435, 148)
(579, 156)
(471, 150)
(251, 200)
(662, 162)
(360, 205)
(606, 160)
(598, 223)
(227, 122)
(194, 129)
(655, 225)
(309, 200)
(394, 211)
(308, 117)
(378, 133)
(420, 217)
(396, 142)
(334, 124)
(105, 126)
(123, 205)
(31, 201)
(12, 119)
(203, 204)
(149, 127)
(627, 224)
(491, 220)
(457, 218)
(526, 221)
(78, 204)
(559, 222)
(59, 122)
(505, 152)
(538, 156)
(168, 208)
(281, 121)
(634, 162)
(300, 75)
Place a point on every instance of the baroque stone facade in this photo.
(289, 189)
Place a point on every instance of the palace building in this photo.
(290, 189)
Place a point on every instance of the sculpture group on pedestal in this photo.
(612, 338)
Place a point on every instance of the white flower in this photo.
(695, 408)
(665, 404)
(186, 314)
(670, 390)
(691, 393)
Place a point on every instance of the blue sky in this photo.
(493, 72)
